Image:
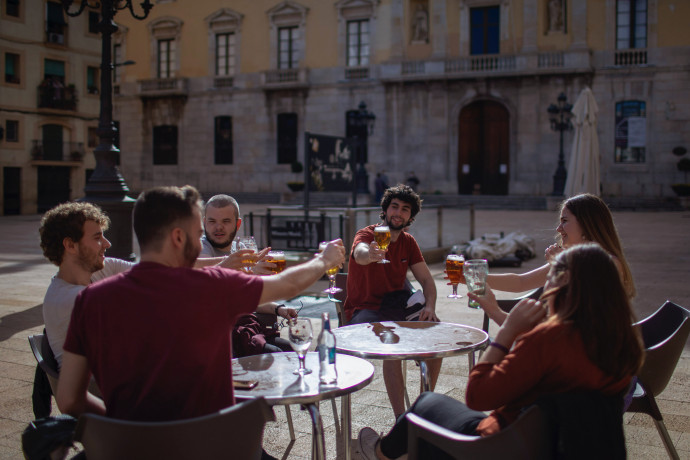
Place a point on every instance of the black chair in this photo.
(527, 438)
(45, 358)
(508, 304)
(665, 333)
(235, 432)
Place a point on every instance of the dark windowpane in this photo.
(485, 30)
(287, 138)
(11, 131)
(11, 187)
(631, 24)
(55, 23)
(12, 8)
(165, 145)
(12, 68)
(287, 48)
(92, 80)
(223, 141)
(52, 142)
(92, 137)
(630, 132)
(54, 69)
(94, 19)
(354, 130)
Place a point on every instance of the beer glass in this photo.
(382, 236)
(454, 263)
(277, 258)
(476, 271)
(300, 334)
(331, 272)
(247, 242)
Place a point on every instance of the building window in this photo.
(165, 145)
(631, 131)
(94, 20)
(92, 80)
(484, 30)
(11, 131)
(288, 56)
(223, 141)
(287, 138)
(12, 68)
(55, 23)
(166, 58)
(54, 70)
(12, 8)
(358, 43)
(225, 54)
(631, 24)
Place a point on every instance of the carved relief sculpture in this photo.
(556, 23)
(420, 24)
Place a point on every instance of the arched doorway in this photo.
(484, 149)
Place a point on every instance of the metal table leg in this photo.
(426, 385)
(346, 424)
(317, 434)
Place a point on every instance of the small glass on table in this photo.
(278, 259)
(454, 263)
(382, 236)
(476, 271)
(300, 334)
(331, 272)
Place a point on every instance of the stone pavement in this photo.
(656, 245)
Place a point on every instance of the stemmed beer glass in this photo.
(331, 272)
(454, 263)
(300, 334)
(476, 271)
(382, 236)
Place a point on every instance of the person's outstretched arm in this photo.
(519, 282)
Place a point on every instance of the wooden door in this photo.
(53, 186)
(483, 150)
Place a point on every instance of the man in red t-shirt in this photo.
(368, 281)
(157, 338)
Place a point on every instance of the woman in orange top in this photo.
(578, 338)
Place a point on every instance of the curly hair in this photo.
(403, 193)
(67, 220)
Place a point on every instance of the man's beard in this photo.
(222, 245)
(190, 253)
(90, 263)
(395, 227)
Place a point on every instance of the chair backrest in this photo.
(45, 358)
(526, 438)
(665, 333)
(508, 304)
(235, 432)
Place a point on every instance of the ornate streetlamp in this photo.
(106, 187)
(559, 116)
(363, 120)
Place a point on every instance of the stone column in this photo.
(529, 26)
(439, 28)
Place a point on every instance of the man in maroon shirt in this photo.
(157, 338)
(368, 281)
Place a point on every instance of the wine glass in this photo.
(476, 271)
(247, 242)
(454, 263)
(300, 335)
(382, 236)
(331, 272)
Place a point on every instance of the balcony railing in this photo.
(223, 82)
(163, 86)
(413, 67)
(356, 73)
(631, 57)
(285, 77)
(484, 63)
(550, 60)
(44, 150)
(53, 94)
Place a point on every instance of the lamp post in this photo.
(106, 187)
(559, 116)
(363, 120)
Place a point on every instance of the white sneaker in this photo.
(367, 443)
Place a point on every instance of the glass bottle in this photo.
(325, 346)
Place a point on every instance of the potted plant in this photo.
(296, 185)
(684, 166)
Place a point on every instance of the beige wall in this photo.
(674, 23)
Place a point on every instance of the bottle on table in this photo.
(326, 348)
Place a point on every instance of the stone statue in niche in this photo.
(556, 22)
(420, 24)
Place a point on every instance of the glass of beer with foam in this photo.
(382, 236)
(454, 263)
(278, 259)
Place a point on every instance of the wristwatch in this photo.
(278, 307)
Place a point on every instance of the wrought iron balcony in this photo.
(53, 94)
(46, 150)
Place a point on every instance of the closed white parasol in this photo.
(583, 168)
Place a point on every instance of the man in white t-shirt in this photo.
(72, 237)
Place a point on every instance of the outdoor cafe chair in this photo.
(234, 432)
(525, 439)
(664, 333)
(45, 358)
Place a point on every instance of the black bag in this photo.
(47, 434)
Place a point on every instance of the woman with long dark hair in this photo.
(578, 337)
